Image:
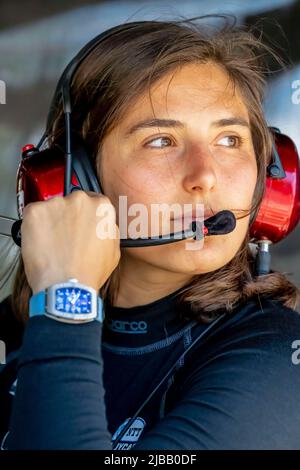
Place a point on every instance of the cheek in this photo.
(139, 185)
(238, 185)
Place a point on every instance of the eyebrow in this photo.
(233, 121)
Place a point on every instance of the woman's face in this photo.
(206, 157)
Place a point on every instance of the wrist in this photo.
(44, 283)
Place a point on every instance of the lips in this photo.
(191, 216)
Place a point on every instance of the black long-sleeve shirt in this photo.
(77, 385)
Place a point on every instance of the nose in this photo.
(199, 170)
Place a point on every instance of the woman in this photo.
(171, 114)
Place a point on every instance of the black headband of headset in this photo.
(64, 83)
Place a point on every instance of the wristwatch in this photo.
(69, 302)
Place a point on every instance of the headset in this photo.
(49, 172)
(44, 173)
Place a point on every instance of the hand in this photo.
(59, 241)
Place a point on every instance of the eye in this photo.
(233, 141)
(165, 139)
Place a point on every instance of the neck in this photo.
(142, 283)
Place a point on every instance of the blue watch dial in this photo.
(73, 300)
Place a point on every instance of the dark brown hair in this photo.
(114, 75)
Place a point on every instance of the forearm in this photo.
(59, 402)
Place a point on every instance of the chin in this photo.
(209, 258)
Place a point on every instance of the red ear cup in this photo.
(279, 212)
(40, 175)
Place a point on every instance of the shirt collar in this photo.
(144, 324)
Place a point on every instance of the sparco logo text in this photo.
(133, 327)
